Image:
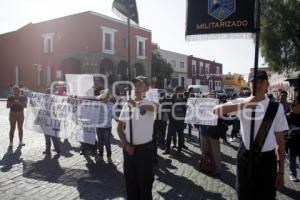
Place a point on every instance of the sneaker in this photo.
(109, 160)
(293, 178)
(232, 139)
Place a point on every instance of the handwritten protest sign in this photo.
(200, 111)
(63, 116)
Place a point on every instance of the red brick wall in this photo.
(75, 33)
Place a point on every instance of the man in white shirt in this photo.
(138, 149)
(267, 169)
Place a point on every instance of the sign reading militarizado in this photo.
(220, 16)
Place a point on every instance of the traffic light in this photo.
(34, 67)
(39, 67)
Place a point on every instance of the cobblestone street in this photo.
(26, 174)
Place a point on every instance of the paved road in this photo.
(26, 174)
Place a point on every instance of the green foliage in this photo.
(161, 69)
(280, 34)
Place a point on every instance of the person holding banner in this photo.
(176, 120)
(104, 131)
(260, 162)
(16, 103)
(137, 147)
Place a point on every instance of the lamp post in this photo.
(38, 68)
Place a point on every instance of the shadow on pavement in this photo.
(11, 158)
(100, 181)
(290, 193)
(103, 181)
(181, 187)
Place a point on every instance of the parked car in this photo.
(199, 90)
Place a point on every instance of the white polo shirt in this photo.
(142, 124)
(279, 124)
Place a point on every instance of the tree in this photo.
(280, 34)
(161, 69)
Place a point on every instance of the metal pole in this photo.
(257, 26)
(129, 69)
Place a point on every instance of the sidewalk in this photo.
(26, 174)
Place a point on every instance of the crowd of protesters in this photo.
(159, 125)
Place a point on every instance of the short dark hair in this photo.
(283, 92)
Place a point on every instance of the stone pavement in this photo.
(26, 174)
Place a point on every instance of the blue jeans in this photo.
(104, 138)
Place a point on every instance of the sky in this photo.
(165, 18)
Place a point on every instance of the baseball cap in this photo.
(262, 75)
(141, 79)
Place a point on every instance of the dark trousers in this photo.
(160, 129)
(138, 172)
(235, 128)
(175, 127)
(190, 130)
(261, 184)
(104, 138)
(55, 141)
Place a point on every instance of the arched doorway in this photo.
(122, 70)
(107, 68)
(70, 66)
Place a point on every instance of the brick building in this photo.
(204, 72)
(87, 42)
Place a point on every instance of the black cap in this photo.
(141, 79)
(262, 75)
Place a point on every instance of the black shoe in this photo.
(185, 147)
(174, 146)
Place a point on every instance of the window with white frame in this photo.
(194, 73)
(217, 70)
(108, 40)
(201, 68)
(207, 68)
(181, 65)
(141, 47)
(218, 85)
(48, 42)
(173, 63)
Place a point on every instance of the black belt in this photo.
(141, 146)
